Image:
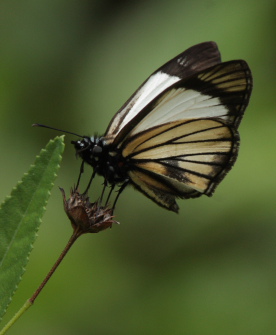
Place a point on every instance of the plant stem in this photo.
(16, 317)
(30, 301)
(71, 241)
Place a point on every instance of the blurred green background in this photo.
(209, 270)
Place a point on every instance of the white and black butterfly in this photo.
(176, 137)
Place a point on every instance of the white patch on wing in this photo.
(182, 104)
(155, 85)
(183, 61)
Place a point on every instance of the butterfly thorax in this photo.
(104, 159)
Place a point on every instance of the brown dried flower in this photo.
(86, 217)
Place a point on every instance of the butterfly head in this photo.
(90, 149)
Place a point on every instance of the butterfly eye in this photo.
(97, 150)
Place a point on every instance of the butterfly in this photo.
(176, 136)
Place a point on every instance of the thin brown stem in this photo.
(77, 233)
(71, 241)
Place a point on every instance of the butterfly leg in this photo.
(81, 172)
(119, 192)
(104, 187)
(90, 182)
(109, 194)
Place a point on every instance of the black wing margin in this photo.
(195, 59)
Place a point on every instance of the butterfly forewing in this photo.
(191, 61)
(219, 92)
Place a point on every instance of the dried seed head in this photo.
(86, 217)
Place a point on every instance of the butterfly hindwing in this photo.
(181, 159)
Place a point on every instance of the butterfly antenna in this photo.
(63, 131)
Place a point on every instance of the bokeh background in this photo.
(211, 269)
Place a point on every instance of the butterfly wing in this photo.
(221, 91)
(184, 141)
(191, 61)
(182, 159)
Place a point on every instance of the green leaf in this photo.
(20, 217)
